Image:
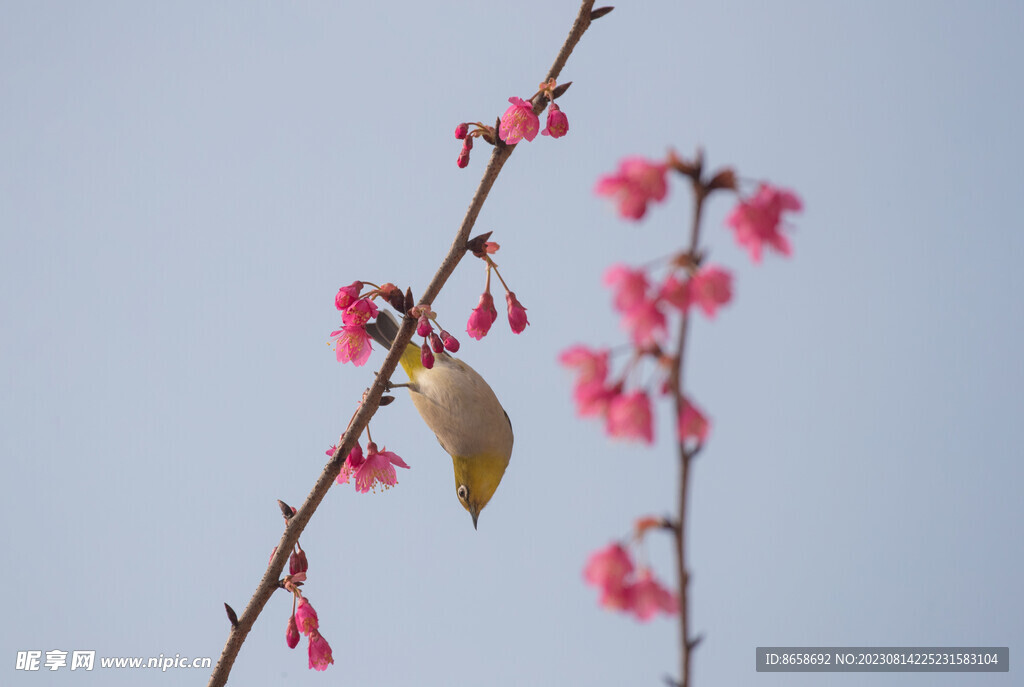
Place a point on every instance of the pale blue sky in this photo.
(183, 188)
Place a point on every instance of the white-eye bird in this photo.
(462, 411)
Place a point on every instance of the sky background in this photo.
(184, 187)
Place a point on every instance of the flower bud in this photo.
(557, 124)
(291, 635)
(297, 562)
(426, 357)
(450, 342)
(516, 313)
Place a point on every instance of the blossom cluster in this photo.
(645, 307)
(625, 587)
(366, 471)
(757, 220)
(351, 342)
(432, 341)
(304, 618)
(484, 314)
(646, 304)
(518, 123)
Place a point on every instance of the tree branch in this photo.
(686, 455)
(371, 401)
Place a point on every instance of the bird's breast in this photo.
(461, 409)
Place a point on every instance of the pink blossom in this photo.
(646, 323)
(591, 365)
(518, 122)
(463, 160)
(629, 417)
(636, 183)
(319, 652)
(648, 597)
(692, 423)
(482, 317)
(435, 343)
(710, 288)
(591, 392)
(359, 313)
(306, 617)
(557, 124)
(461, 130)
(352, 343)
(758, 219)
(291, 635)
(516, 313)
(675, 292)
(352, 462)
(347, 295)
(378, 467)
(629, 285)
(608, 566)
(593, 398)
(607, 570)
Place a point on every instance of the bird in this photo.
(461, 409)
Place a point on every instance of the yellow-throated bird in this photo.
(464, 414)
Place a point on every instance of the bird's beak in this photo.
(475, 512)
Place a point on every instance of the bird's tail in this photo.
(384, 329)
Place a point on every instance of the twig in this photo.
(686, 455)
(297, 523)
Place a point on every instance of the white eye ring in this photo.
(463, 492)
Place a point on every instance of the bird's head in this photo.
(476, 478)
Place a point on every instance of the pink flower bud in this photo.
(516, 313)
(461, 130)
(450, 342)
(463, 160)
(692, 423)
(423, 327)
(468, 143)
(558, 123)
(426, 357)
(297, 562)
(482, 317)
(435, 343)
(291, 635)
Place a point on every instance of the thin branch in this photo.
(685, 455)
(371, 401)
(499, 155)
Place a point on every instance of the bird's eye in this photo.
(463, 492)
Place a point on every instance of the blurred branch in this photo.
(686, 455)
(371, 400)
